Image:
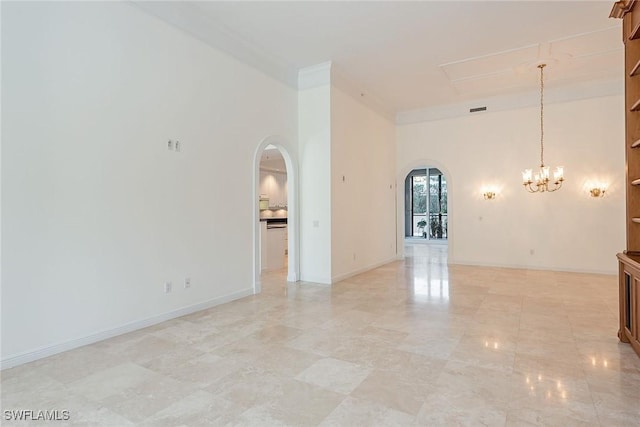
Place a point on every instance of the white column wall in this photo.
(363, 203)
(314, 120)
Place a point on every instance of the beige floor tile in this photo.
(441, 410)
(398, 392)
(111, 381)
(461, 380)
(284, 361)
(197, 409)
(358, 412)
(335, 375)
(414, 342)
(300, 404)
(204, 370)
(147, 398)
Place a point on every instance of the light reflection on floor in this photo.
(429, 263)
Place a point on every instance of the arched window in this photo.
(426, 204)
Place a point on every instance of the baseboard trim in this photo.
(40, 353)
(344, 276)
(532, 267)
(315, 280)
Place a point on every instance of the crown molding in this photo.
(186, 17)
(314, 76)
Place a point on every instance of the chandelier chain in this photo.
(541, 181)
(541, 66)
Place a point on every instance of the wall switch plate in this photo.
(187, 283)
(167, 287)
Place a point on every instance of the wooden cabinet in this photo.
(629, 300)
(629, 274)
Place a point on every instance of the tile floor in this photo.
(411, 343)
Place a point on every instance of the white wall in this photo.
(567, 230)
(96, 213)
(314, 120)
(363, 204)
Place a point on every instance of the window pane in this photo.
(419, 195)
(443, 201)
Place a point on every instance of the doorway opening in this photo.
(426, 205)
(275, 231)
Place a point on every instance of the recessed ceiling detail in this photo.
(593, 55)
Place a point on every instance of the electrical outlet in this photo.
(167, 287)
(187, 283)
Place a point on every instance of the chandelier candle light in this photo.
(541, 181)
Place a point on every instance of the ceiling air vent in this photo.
(475, 110)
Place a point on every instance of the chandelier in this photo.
(541, 180)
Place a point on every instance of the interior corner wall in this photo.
(314, 139)
(97, 213)
(565, 230)
(362, 187)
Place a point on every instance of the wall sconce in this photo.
(489, 195)
(597, 191)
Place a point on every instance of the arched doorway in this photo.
(426, 204)
(275, 199)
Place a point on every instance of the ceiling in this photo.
(415, 55)
(272, 159)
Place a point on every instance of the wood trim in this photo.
(621, 8)
(635, 69)
(630, 259)
(635, 33)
